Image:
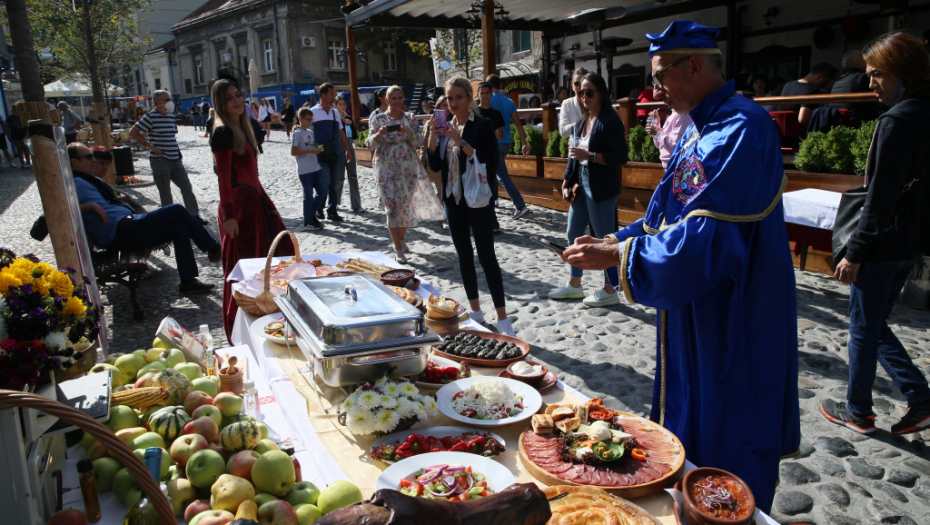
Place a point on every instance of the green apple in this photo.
(303, 492)
(307, 514)
(149, 439)
(264, 429)
(158, 343)
(212, 517)
(87, 440)
(273, 472)
(105, 470)
(111, 359)
(266, 445)
(116, 379)
(182, 494)
(130, 365)
(166, 461)
(229, 491)
(155, 366)
(139, 352)
(191, 370)
(206, 385)
(133, 497)
(122, 416)
(152, 354)
(172, 357)
(264, 497)
(204, 467)
(174, 472)
(229, 404)
(337, 495)
(123, 482)
(209, 411)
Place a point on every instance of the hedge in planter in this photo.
(642, 148)
(554, 146)
(360, 140)
(841, 150)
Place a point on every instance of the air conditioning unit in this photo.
(307, 41)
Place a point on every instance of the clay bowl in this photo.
(533, 380)
(695, 516)
(397, 277)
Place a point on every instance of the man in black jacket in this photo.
(854, 80)
(287, 116)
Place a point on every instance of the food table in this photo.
(809, 216)
(310, 406)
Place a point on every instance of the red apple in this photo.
(185, 446)
(223, 452)
(196, 507)
(205, 426)
(240, 465)
(196, 399)
(278, 512)
(147, 379)
(212, 517)
(68, 517)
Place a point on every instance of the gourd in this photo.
(178, 385)
(240, 435)
(169, 422)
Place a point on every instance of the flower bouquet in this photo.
(386, 406)
(44, 314)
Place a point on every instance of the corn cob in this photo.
(141, 397)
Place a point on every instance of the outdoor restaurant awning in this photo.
(75, 87)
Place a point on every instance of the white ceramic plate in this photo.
(441, 361)
(497, 475)
(258, 327)
(439, 432)
(532, 401)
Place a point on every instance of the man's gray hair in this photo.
(63, 103)
(160, 93)
(850, 58)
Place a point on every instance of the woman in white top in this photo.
(264, 116)
(571, 108)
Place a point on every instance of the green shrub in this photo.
(534, 139)
(860, 146)
(563, 147)
(837, 149)
(517, 145)
(650, 151)
(554, 146)
(638, 138)
(811, 155)
(360, 140)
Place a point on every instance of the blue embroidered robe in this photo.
(712, 255)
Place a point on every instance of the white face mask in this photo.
(169, 106)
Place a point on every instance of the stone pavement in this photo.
(840, 477)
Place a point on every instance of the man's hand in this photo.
(156, 150)
(96, 208)
(348, 157)
(526, 150)
(846, 272)
(231, 226)
(589, 255)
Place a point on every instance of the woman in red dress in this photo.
(248, 219)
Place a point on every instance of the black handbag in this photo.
(847, 219)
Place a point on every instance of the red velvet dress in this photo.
(242, 198)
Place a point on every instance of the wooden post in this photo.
(628, 114)
(353, 77)
(488, 39)
(99, 124)
(550, 121)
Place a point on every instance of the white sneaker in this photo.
(602, 298)
(567, 292)
(476, 316)
(503, 327)
(520, 213)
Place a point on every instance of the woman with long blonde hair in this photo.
(248, 219)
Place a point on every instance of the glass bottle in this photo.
(210, 354)
(289, 450)
(89, 490)
(250, 406)
(143, 512)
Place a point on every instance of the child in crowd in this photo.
(308, 169)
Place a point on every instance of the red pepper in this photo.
(601, 415)
(404, 451)
(461, 446)
(476, 446)
(418, 443)
(434, 444)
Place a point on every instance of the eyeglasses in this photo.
(576, 83)
(657, 76)
(588, 93)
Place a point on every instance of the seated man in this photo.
(110, 223)
(102, 161)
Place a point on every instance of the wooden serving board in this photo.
(491, 363)
(627, 491)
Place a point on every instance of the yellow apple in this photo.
(229, 491)
(151, 355)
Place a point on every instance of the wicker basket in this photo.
(263, 304)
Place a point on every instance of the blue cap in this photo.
(153, 462)
(684, 37)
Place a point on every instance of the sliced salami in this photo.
(662, 458)
(560, 468)
(661, 467)
(534, 437)
(657, 445)
(573, 473)
(649, 473)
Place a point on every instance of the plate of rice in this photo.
(488, 401)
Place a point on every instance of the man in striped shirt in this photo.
(166, 159)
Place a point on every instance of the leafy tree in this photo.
(89, 38)
(417, 40)
(461, 47)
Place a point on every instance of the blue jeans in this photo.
(335, 173)
(503, 148)
(198, 121)
(871, 341)
(310, 182)
(602, 216)
(465, 222)
(173, 224)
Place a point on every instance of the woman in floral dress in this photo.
(402, 181)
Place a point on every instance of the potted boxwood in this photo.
(556, 159)
(531, 166)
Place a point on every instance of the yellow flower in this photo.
(25, 276)
(8, 280)
(40, 285)
(61, 284)
(23, 264)
(74, 306)
(42, 269)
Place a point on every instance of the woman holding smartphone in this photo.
(402, 182)
(591, 183)
(465, 138)
(435, 177)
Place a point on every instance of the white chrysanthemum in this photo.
(386, 420)
(391, 389)
(409, 390)
(405, 407)
(387, 401)
(432, 409)
(3, 306)
(360, 423)
(380, 382)
(419, 410)
(349, 403)
(351, 411)
(368, 400)
(57, 340)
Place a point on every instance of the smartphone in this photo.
(439, 116)
(393, 127)
(551, 245)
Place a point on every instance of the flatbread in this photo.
(593, 506)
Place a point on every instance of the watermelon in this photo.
(169, 422)
(240, 435)
(177, 384)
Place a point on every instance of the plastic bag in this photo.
(475, 182)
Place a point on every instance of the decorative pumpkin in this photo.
(169, 422)
(178, 385)
(240, 435)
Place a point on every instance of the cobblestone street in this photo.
(840, 477)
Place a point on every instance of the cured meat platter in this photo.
(663, 462)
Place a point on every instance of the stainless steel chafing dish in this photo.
(353, 328)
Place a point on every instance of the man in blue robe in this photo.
(712, 256)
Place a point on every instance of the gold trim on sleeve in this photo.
(662, 352)
(732, 218)
(612, 239)
(624, 261)
(649, 229)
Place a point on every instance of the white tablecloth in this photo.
(811, 207)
